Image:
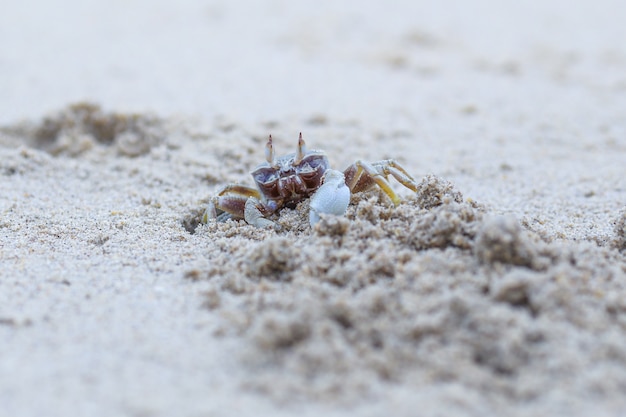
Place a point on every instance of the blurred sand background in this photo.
(497, 290)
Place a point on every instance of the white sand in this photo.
(110, 306)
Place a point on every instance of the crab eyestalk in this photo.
(269, 151)
(301, 150)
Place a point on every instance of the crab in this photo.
(286, 180)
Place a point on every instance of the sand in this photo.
(498, 288)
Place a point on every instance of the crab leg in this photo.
(241, 190)
(362, 176)
(230, 202)
(255, 213)
(393, 168)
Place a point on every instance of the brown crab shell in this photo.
(287, 182)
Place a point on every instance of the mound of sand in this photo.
(437, 291)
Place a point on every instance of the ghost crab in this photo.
(286, 180)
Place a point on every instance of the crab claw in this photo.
(332, 197)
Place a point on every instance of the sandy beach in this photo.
(497, 288)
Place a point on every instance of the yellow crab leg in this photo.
(240, 190)
(391, 167)
(372, 174)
